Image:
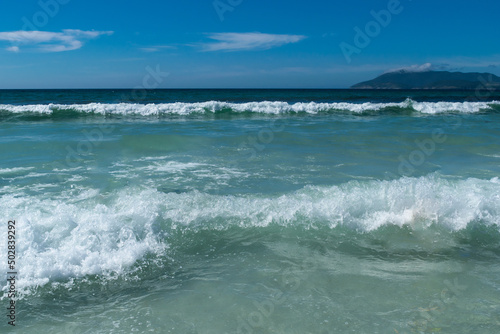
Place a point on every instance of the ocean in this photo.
(250, 211)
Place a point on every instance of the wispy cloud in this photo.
(472, 62)
(46, 41)
(13, 49)
(156, 48)
(232, 41)
(421, 68)
(457, 64)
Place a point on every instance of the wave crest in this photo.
(265, 107)
(66, 237)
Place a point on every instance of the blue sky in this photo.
(239, 43)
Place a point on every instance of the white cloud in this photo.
(423, 68)
(150, 49)
(232, 41)
(46, 41)
(414, 68)
(13, 49)
(156, 48)
(472, 62)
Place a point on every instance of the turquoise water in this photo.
(252, 211)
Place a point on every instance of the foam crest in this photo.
(75, 235)
(265, 107)
(16, 170)
(362, 205)
(442, 107)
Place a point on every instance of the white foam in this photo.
(83, 232)
(172, 166)
(75, 236)
(441, 107)
(173, 169)
(265, 107)
(365, 206)
(14, 170)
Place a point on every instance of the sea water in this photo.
(251, 211)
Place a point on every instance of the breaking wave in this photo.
(70, 237)
(265, 107)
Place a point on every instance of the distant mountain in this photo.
(403, 79)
